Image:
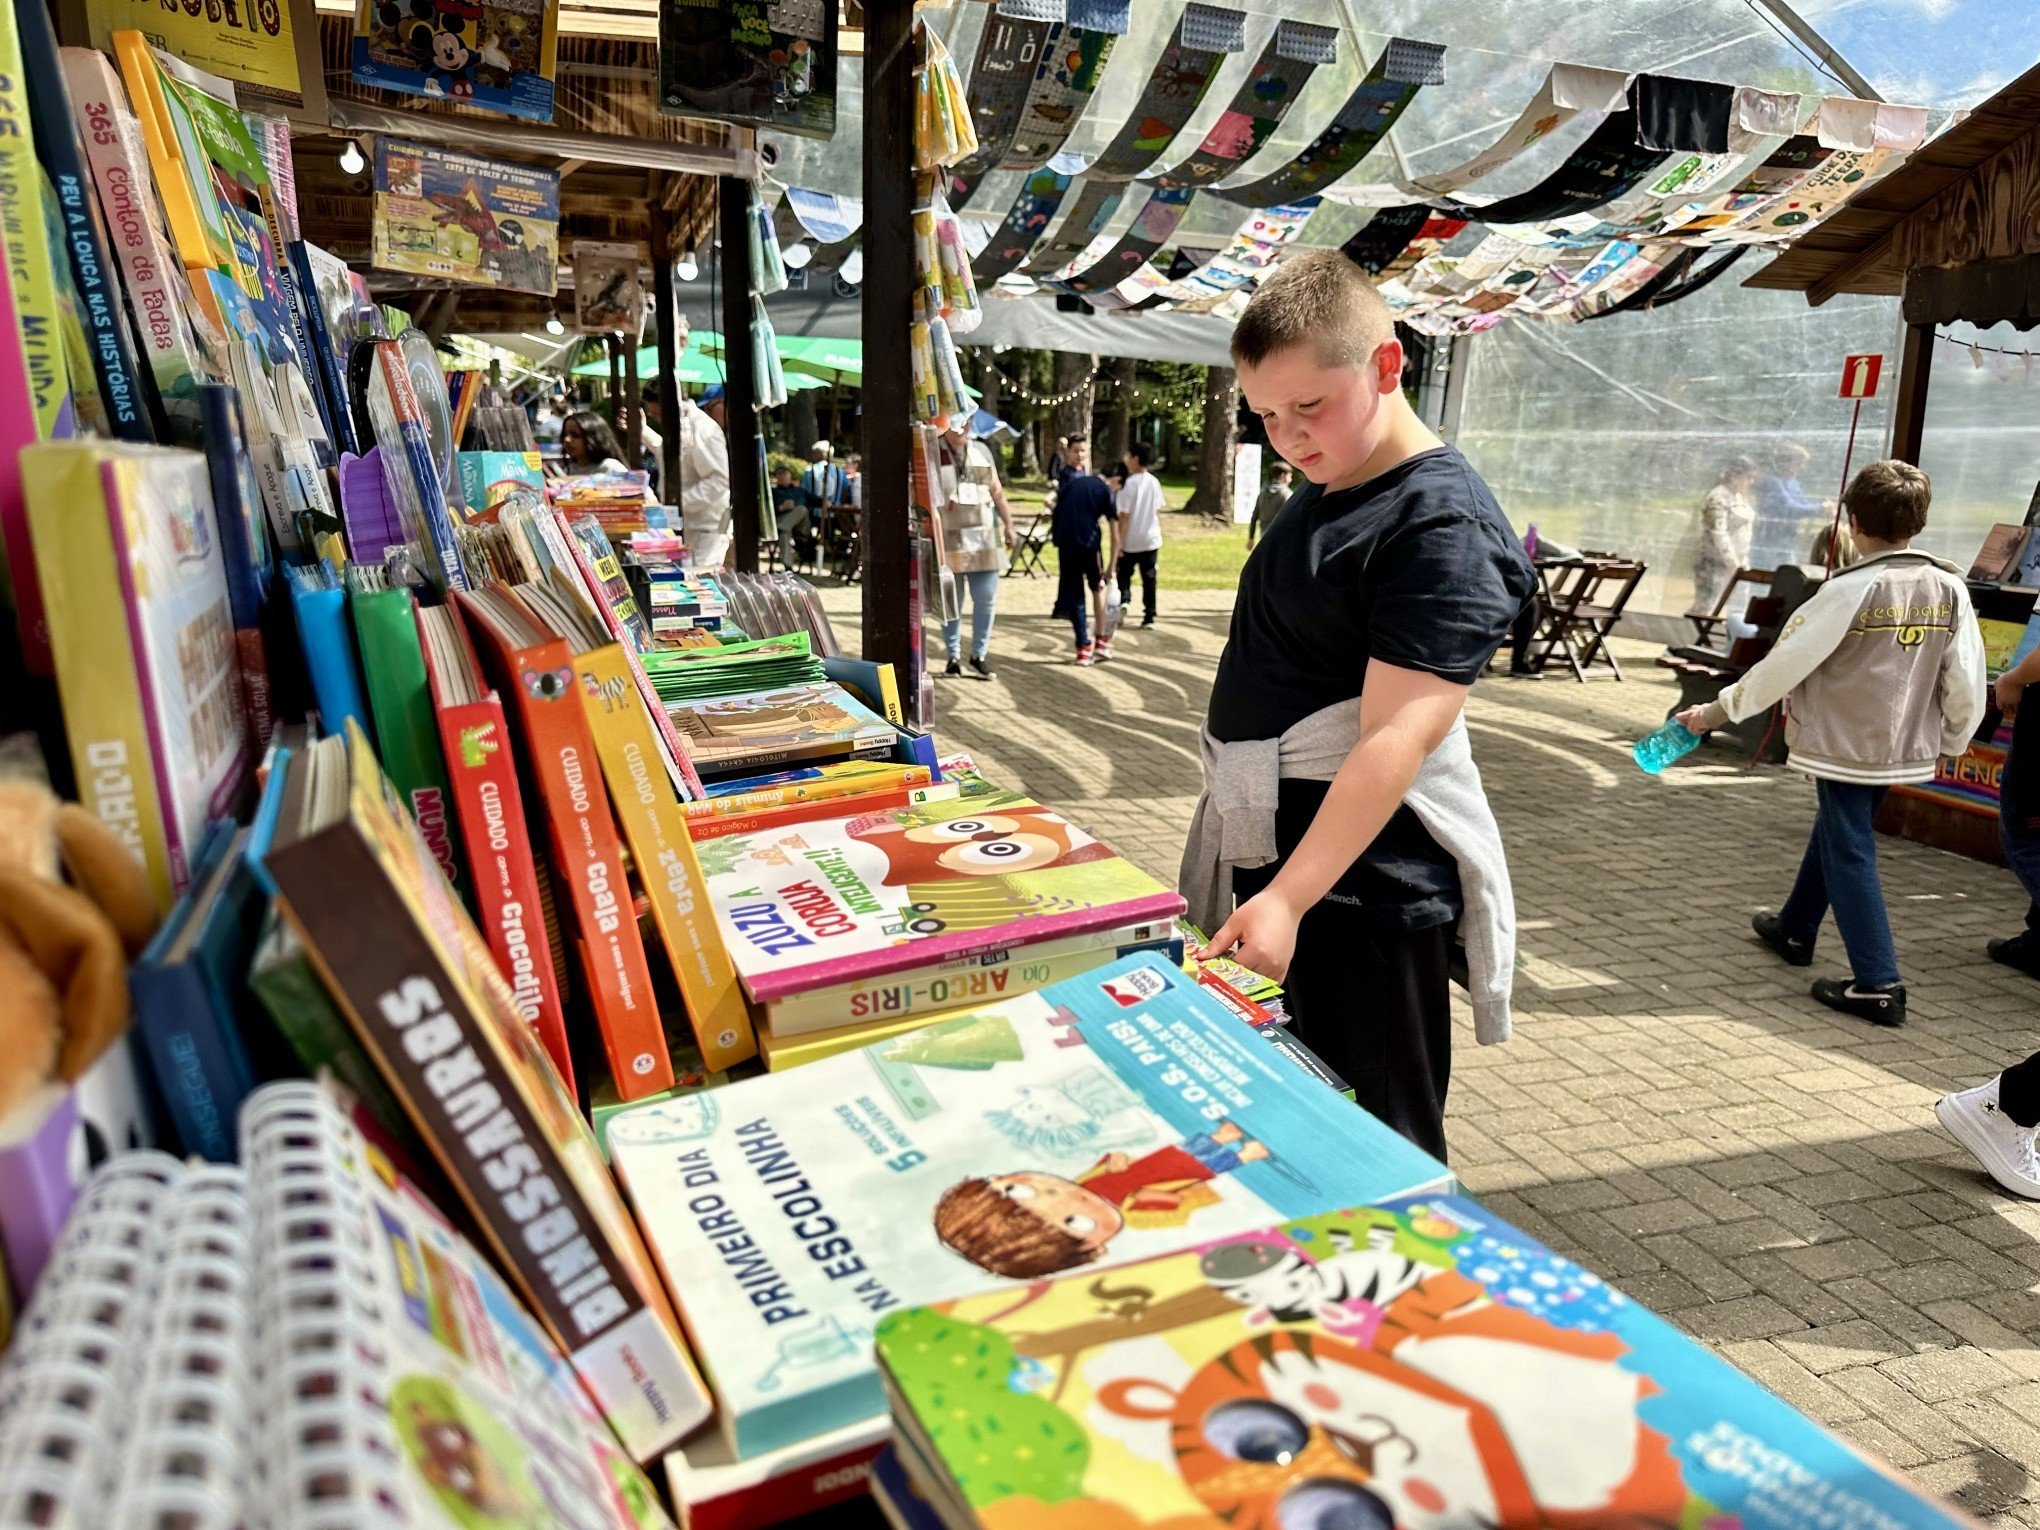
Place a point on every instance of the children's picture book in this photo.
(764, 730)
(1112, 1117)
(501, 56)
(813, 904)
(1415, 1362)
(609, 294)
(488, 222)
(488, 479)
(420, 988)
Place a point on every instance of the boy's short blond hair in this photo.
(1320, 299)
(1888, 500)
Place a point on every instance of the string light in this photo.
(1027, 395)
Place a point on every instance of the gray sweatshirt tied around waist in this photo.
(1234, 826)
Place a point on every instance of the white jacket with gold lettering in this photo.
(1881, 672)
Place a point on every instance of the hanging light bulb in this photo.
(684, 267)
(797, 255)
(553, 326)
(351, 162)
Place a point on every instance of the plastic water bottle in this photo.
(1674, 741)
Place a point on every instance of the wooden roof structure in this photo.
(1955, 230)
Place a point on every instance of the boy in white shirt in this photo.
(1139, 533)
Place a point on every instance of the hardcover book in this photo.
(814, 904)
(421, 990)
(762, 730)
(1416, 1362)
(135, 592)
(400, 700)
(1113, 1117)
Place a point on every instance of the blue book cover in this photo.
(184, 985)
(320, 603)
(309, 265)
(1116, 1116)
(237, 503)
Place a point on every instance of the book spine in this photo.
(17, 430)
(482, 774)
(325, 357)
(127, 197)
(89, 619)
(31, 273)
(665, 859)
(416, 461)
(329, 655)
(318, 1035)
(194, 1063)
(400, 699)
(226, 455)
(56, 133)
(808, 812)
(771, 758)
(780, 1498)
(37, 1192)
(589, 858)
(864, 780)
(578, 1264)
(175, 182)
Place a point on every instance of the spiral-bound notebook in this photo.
(300, 1341)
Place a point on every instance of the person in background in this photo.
(1081, 503)
(1138, 536)
(715, 404)
(1727, 516)
(652, 439)
(1274, 495)
(1343, 833)
(822, 482)
(1783, 508)
(704, 487)
(550, 415)
(1881, 673)
(589, 445)
(975, 543)
(853, 481)
(791, 513)
(1059, 459)
(1995, 1120)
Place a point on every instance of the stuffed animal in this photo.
(64, 946)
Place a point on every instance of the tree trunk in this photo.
(1073, 371)
(1115, 431)
(988, 383)
(1212, 497)
(801, 423)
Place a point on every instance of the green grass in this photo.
(1196, 554)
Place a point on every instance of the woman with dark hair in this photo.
(589, 445)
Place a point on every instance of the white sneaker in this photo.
(2001, 1145)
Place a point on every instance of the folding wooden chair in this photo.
(1707, 625)
(1587, 602)
(1032, 543)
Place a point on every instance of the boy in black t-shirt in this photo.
(1370, 604)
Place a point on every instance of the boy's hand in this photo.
(1261, 935)
(2009, 691)
(1693, 719)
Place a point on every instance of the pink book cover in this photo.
(826, 901)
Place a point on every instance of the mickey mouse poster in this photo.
(499, 55)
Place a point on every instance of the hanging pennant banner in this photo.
(1838, 178)
(1032, 10)
(1181, 79)
(1847, 123)
(1676, 116)
(1088, 212)
(1114, 16)
(1254, 247)
(1767, 113)
(1608, 163)
(763, 63)
(1072, 58)
(1362, 123)
(1781, 170)
(826, 217)
(1410, 62)
(1152, 228)
(1024, 223)
(1388, 233)
(1008, 58)
(1567, 91)
(439, 212)
(1258, 106)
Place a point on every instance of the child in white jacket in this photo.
(1881, 673)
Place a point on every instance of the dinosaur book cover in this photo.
(487, 222)
(1116, 1116)
(1409, 1365)
(832, 900)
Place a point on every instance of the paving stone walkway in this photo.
(1674, 1111)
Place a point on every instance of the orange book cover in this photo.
(537, 674)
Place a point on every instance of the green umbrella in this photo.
(832, 361)
(695, 362)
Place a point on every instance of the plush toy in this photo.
(64, 946)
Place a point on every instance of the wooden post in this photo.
(888, 313)
(1909, 410)
(740, 388)
(665, 317)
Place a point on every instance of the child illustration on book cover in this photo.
(1028, 1224)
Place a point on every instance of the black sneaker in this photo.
(2021, 952)
(1794, 953)
(1880, 1006)
(984, 670)
(954, 671)
(1147, 621)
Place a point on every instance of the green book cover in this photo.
(400, 700)
(282, 977)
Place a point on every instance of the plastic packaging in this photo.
(1673, 742)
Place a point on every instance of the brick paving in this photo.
(1674, 1111)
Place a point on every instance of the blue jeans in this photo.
(1840, 869)
(983, 588)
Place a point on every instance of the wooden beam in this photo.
(1909, 410)
(665, 314)
(889, 597)
(740, 391)
(1837, 280)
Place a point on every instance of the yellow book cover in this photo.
(30, 274)
(784, 1052)
(135, 591)
(656, 829)
(196, 223)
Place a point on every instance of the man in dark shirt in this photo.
(1081, 503)
(1390, 578)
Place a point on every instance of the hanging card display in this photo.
(765, 63)
(500, 55)
(439, 212)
